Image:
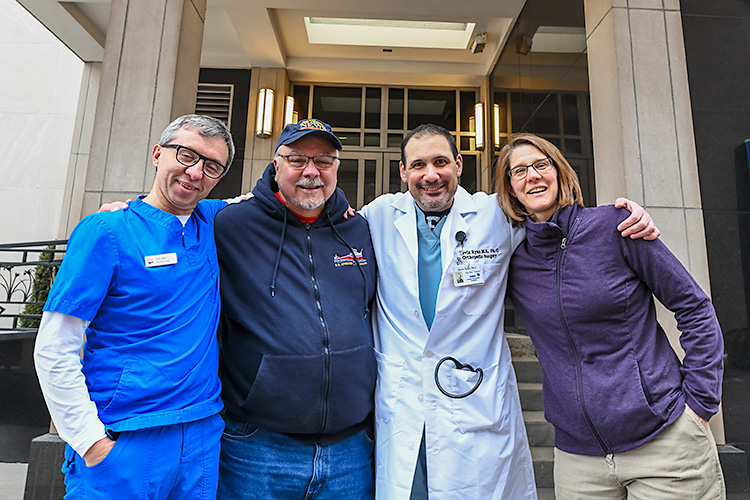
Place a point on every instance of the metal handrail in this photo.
(27, 270)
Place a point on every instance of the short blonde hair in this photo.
(568, 187)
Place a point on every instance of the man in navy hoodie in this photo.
(297, 362)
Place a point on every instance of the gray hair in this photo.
(206, 126)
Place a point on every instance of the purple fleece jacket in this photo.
(611, 379)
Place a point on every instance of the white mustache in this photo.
(310, 183)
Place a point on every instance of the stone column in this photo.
(259, 150)
(80, 150)
(149, 77)
(642, 124)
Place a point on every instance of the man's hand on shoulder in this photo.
(98, 451)
(350, 212)
(639, 224)
(114, 206)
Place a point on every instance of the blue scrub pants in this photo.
(174, 462)
(257, 464)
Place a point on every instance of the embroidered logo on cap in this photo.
(312, 123)
(349, 259)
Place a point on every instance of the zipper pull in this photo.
(563, 243)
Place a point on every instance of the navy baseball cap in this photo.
(295, 131)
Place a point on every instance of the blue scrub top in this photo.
(430, 266)
(151, 354)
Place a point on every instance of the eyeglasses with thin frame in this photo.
(188, 157)
(520, 172)
(321, 162)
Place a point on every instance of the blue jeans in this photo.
(259, 464)
(175, 462)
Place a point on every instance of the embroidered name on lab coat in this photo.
(480, 253)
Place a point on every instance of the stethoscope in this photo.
(459, 366)
(461, 238)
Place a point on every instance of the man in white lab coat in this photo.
(443, 254)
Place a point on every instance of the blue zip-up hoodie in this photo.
(612, 382)
(295, 333)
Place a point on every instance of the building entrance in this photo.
(366, 175)
(372, 121)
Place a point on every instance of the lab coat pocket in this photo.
(387, 386)
(479, 299)
(483, 409)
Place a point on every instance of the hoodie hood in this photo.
(332, 215)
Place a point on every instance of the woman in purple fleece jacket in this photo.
(630, 418)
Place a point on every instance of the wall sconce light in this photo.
(290, 115)
(479, 124)
(263, 127)
(496, 124)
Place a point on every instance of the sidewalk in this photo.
(12, 481)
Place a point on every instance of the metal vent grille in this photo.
(215, 99)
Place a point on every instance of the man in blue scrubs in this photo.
(140, 411)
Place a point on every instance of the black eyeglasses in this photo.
(322, 162)
(520, 172)
(189, 157)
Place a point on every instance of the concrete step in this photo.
(543, 458)
(520, 345)
(531, 396)
(527, 369)
(540, 432)
(545, 493)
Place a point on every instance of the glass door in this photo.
(359, 174)
(391, 176)
(363, 176)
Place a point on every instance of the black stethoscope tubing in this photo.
(459, 366)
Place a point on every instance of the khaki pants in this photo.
(681, 463)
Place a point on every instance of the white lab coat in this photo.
(476, 446)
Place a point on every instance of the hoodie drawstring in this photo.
(278, 254)
(356, 261)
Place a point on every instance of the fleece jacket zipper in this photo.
(573, 348)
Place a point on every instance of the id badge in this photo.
(466, 273)
(165, 259)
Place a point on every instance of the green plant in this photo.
(42, 278)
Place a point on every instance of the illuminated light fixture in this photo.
(290, 116)
(479, 124)
(389, 33)
(263, 127)
(496, 123)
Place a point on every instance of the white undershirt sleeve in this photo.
(58, 366)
